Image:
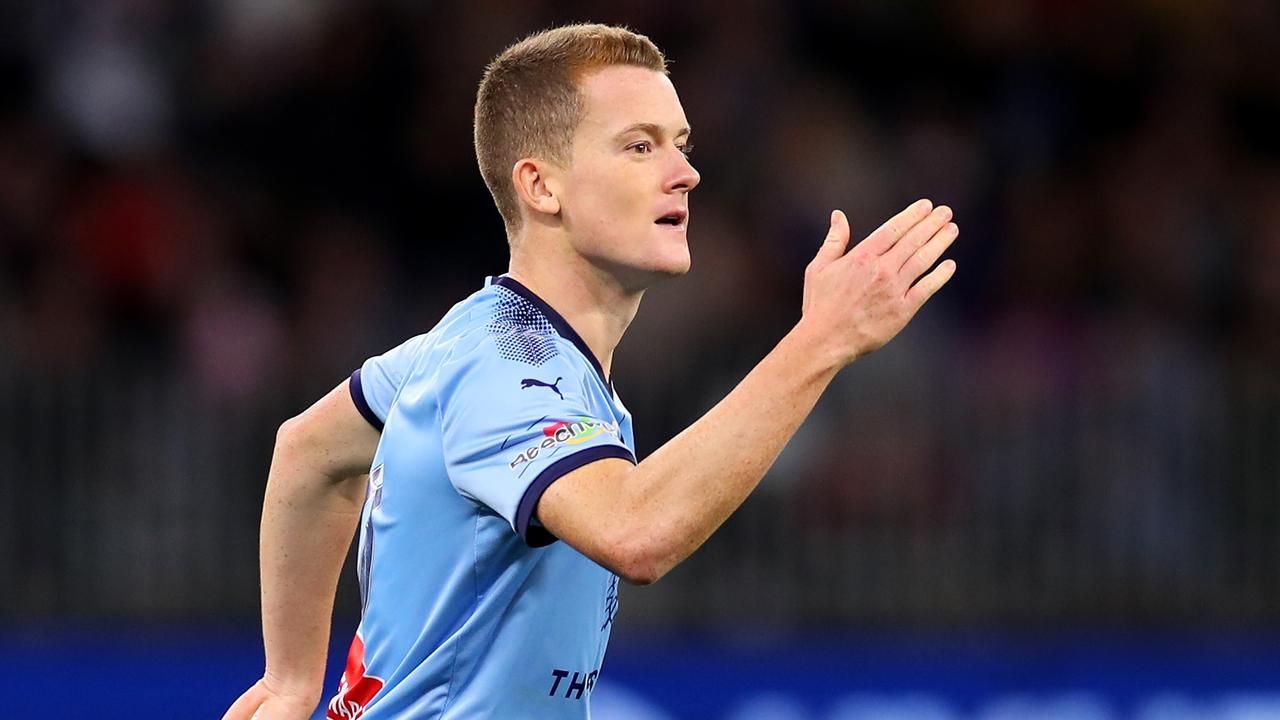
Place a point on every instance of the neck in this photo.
(594, 303)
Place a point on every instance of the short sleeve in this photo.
(510, 429)
(375, 383)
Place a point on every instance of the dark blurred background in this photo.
(211, 212)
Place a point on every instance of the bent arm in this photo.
(641, 521)
(315, 490)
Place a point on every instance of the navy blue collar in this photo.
(557, 321)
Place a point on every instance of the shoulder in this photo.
(457, 334)
(505, 331)
(498, 354)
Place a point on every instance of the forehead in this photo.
(619, 96)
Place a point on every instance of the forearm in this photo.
(308, 519)
(641, 521)
(681, 493)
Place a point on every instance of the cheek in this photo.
(604, 201)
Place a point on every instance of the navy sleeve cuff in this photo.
(536, 535)
(357, 395)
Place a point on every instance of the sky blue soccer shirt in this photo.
(471, 608)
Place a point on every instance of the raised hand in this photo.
(859, 300)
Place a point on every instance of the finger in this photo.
(924, 258)
(836, 242)
(916, 237)
(245, 707)
(930, 284)
(887, 234)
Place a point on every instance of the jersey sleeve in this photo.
(375, 383)
(510, 429)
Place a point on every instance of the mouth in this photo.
(675, 219)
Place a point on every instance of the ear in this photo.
(536, 186)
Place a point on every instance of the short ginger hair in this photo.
(529, 103)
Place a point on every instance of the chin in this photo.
(674, 266)
(678, 269)
(641, 277)
(649, 263)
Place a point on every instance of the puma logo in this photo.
(534, 382)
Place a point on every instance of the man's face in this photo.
(625, 196)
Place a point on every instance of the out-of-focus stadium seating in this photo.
(210, 213)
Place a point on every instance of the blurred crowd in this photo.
(248, 194)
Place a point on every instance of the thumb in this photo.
(836, 242)
(247, 706)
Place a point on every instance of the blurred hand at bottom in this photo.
(260, 702)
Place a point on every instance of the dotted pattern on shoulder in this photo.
(521, 331)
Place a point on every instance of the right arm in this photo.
(315, 490)
(642, 520)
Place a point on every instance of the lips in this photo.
(673, 218)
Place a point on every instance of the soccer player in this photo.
(503, 497)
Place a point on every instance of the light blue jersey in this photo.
(471, 608)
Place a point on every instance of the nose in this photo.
(683, 176)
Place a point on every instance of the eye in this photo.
(686, 148)
(642, 148)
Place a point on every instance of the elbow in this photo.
(305, 435)
(641, 563)
(639, 575)
(298, 446)
(291, 436)
(288, 452)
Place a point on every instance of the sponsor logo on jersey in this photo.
(356, 689)
(564, 432)
(527, 383)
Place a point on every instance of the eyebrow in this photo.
(652, 129)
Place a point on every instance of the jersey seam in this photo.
(457, 645)
(417, 356)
